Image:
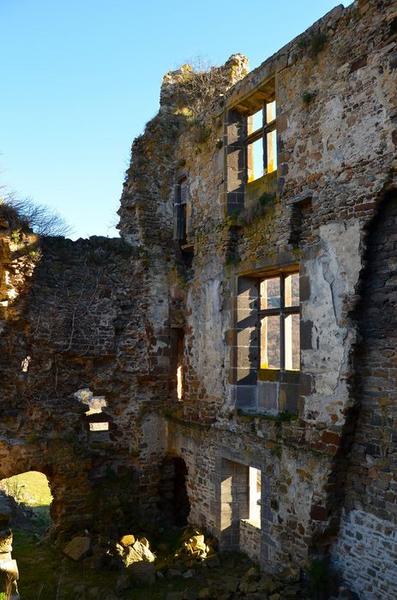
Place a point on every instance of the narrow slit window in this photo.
(99, 426)
(255, 497)
(177, 344)
(179, 382)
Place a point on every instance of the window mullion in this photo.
(282, 324)
(264, 144)
(252, 137)
(258, 322)
(269, 312)
(270, 126)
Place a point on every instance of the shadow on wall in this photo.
(174, 501)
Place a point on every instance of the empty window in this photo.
(179, 382)
(104, 426)
(255, 496)
(261, 142)
(177, 360)
(240, 507)
(96, 404)
(279, 322)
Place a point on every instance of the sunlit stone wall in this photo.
(335, 94)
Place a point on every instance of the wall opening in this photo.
(27, 500)
(177, 361)
(174, 500)
(240, 508)
(25, 520)
(255, 487)
(97, 420)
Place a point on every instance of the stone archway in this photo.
(28, 497)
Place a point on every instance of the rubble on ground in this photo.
(196, 546)
(132, 550)
(78, 547)
(195, 571)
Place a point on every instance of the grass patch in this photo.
(45, 574)
(308, 97)
(29, 488)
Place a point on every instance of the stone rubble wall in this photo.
(366, 552)
(74, 309)
(336, 105)
(367, 540)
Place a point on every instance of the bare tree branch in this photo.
(40, 218)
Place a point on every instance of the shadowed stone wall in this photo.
(366, 551)
(71, 321)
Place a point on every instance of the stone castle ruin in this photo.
(231, 361)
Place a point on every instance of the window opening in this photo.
(25, 364)
(261, 142)
(179, 382)
(177, 363)
(95, 404)
(240, 507)
(255, 487)
(101, 426)
(255, 121)
(279, 322)
(27, 499)
(255, 160)
(180, 211)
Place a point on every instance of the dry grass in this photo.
(30, 488)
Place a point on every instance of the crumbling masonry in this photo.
(282, 424)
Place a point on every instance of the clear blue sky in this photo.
(80, 78)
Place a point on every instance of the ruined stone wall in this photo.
(366, 548)
(336, 105)
(120, 317)
(71, 312)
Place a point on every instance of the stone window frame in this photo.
(256, 390)
(261, 133)
(282, 312)
(241, 193)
